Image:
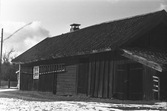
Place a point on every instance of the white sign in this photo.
(36, 72)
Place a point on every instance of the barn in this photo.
(123, 59)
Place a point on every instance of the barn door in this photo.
(121, 82)
(129, 81)
(135, 81)
(83, 76)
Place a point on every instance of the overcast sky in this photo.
(53, 17)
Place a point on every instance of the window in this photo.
(36, 72)
(52, 68)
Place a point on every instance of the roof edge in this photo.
(79, 53)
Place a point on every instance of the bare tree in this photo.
(7, 56)
(8, 69)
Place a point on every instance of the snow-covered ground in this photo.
(10, 104)
(21, 105)
(14, 100)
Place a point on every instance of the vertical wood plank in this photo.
(83, 76)
(148, 83)
(112, 82)
(54, 83)
(101, 73)
(125, 83)
(89, 78)
(76, 82)
(135, 81)
(93, 72)
(97, 78)
(106, 80)
(20, 77)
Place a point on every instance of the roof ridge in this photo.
(134, 16)
(117, 20)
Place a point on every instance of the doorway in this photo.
(129, 81)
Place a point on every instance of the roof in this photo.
(155, 59)
(157, 56)
(97, 38)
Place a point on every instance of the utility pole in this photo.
(3, 40)
(1, 56)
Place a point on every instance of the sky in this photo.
(53, 17)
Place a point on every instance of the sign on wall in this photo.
(36, 72)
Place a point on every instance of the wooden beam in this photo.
(89, 78)
(19, 79)
(101, 76)
(106, 79)
(142, 60)
(93, 75)
(111, 79)
(97, 77)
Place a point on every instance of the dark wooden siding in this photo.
(163, 82)
(148, 83)
(46, 82)
(66, 81)
(104, 79)
(135, 81)
(61, 82)
(120, 84)
(26, 78)
(128, 80)
(100, 81)
(26, 81)
(82, 76)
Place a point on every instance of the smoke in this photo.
(24, 38)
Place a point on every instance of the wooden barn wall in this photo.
(66, 82)
(102, 80)
(120, 88)
(26, 81)
(101, 74)
(127, 80)
(26, 78)
(100, 77)
(61, 83)
(46, 82)
(163, 81)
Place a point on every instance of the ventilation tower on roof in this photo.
(74, 27)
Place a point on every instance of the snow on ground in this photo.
(7, 104)
(15, 100)
(10, 104)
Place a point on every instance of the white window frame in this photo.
(36, 72)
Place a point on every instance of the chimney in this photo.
(74, 27)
